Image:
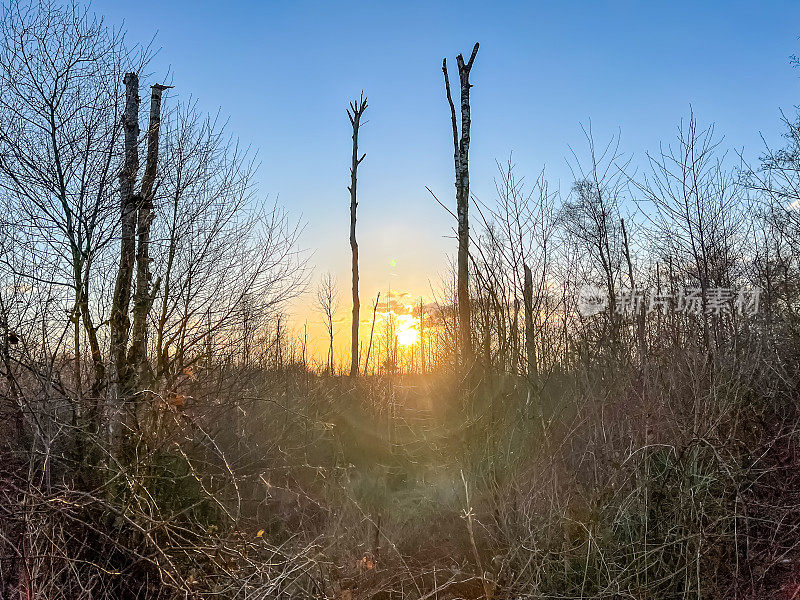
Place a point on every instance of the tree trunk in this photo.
(162, 346)
(461, 159)
(330, 355)
(530, 341)
(355, 112)
(120, 320)
(421, 337)
(143, 298)
(640, 331)
(515, 337)
(371, 331)
(94, 345)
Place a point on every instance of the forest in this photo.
(600, 397)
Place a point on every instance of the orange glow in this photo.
(407, 330)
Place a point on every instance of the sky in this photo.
(284, 72)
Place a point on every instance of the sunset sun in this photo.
(407, 330)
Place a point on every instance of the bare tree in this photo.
(371, 332)
(328, 304)
(530, 340)
(120, 319)
(461, 159)
(777, 205)
(513, 261)
(355, 112)
(136, 217)
(60, 109)
(696, 200)
(227, 259)
(145, 289)
(592, 220)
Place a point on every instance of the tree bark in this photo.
(143, 298)
(461, 160)
(129, 201)
(355, 113)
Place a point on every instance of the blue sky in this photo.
(284, 72)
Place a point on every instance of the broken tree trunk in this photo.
(421, 337)
(530, 341)
(120, 319)
(371, 331)
(461, 159)
(145, 291)
(355, 113)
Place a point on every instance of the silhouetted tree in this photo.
(355, 112)
(461, 159)
(328, 304)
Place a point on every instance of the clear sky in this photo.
(285, 71)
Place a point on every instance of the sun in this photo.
(407, 330)
(408, 337)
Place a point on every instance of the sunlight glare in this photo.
(407, 330)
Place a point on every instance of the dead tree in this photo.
(129, 201)
(145, 290)
(461, 158)
(530, 340)
(136, 218)
(355, 112)
(371, 332)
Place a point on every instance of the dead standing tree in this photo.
(530, 339)
(355, 112)
(145, 289)
(120, 320)
(136, 219)
(371, 332)
(461, 157)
